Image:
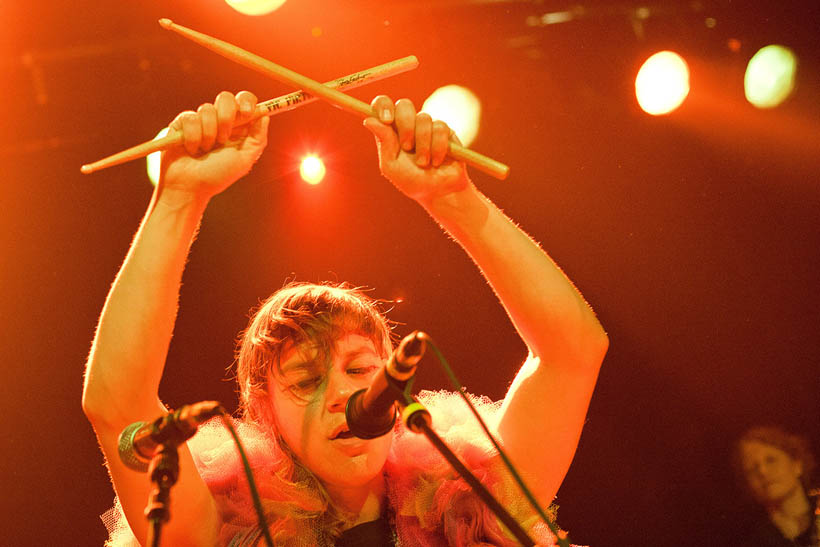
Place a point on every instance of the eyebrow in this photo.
(298, 365)
(354, 353)
(347, 357)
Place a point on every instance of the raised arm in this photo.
(544, 411)
(131, 343)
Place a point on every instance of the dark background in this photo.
(694, 235)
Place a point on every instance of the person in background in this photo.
(775, 468)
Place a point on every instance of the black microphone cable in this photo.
(562, 537)
(130, 458)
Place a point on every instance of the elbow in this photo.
(97, 402)
(590, 349)
(92, 405)
(92, 399)
(595, 338)
(597, 344)
(102, 413)
(601, 342)
(109, 405)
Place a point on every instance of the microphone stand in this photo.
(168, 432)
(417, 419)
(164, 471)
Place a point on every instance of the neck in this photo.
(796, 503)
(363, 503)
(791, 514)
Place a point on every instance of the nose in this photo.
(759, 470)
(339, 389)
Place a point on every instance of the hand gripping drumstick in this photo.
(267, 108)
(345, 102)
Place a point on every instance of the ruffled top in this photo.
(430, 505)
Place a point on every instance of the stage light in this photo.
(769, 78)
(152, 160)
(312, 169)
(255, 7)
(662, 83)
(459, 107)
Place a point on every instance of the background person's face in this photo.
(309, 399)
(771, 473)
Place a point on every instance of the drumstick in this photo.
(267, 108)
(343, 101)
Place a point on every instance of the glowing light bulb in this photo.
(662, 83)
(459, 107)
(312, 169)
(769, 78)
(255, 7)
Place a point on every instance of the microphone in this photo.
(371, 412)
(139, 441)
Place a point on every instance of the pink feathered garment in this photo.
(432, 506)
(436, 507)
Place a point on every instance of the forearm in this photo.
(132, 339)
(544, 410)
(550, 315)
(131, 344)
(135, 328)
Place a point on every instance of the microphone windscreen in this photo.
(125, 446)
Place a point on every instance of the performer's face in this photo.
(309, 399)
(772, 475)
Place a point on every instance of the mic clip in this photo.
(139, 442)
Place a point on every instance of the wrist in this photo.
(443, 196)
(176, 199)
(459, 211)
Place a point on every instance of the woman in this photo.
(776, 468)
(310, 347)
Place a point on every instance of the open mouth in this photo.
(344, 434)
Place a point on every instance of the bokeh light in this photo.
(312, 169)
(255, 7)
(662, 83)
(770, 74)
(152, 160)
(459, 107)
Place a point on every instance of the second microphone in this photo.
(371, 412)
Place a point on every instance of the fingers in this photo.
(226, 109)
(405, 115)
(430, 138)
(259, 130)
(208, 119)
(386, 138)
(440, 142)
(191, 127)
(423, 136)
(383, 107)
(214, 123)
